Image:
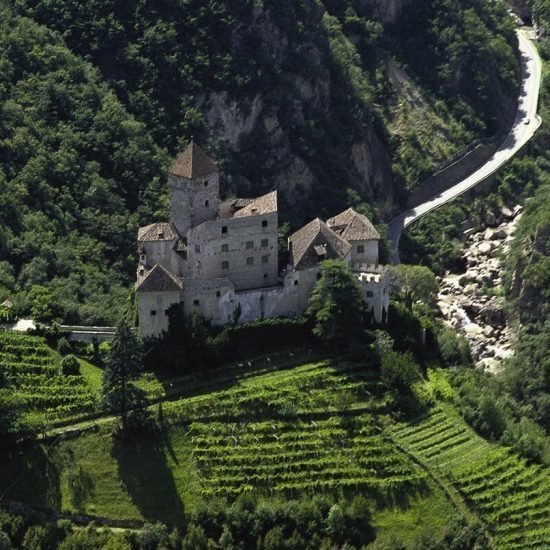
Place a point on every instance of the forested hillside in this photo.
(323, 101)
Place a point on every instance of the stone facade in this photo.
(221, 259)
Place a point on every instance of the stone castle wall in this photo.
(193, 202)
(243, 238)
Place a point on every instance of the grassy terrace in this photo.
(271, 429)
(316, 427)
(510, 496)
(31, 373)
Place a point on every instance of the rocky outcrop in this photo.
(263, 128)
(472, 302)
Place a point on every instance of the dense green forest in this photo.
(98, 96)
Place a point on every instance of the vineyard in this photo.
(509, 495)
(31, 375)
(293, 456)
(318, 388)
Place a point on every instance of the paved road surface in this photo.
(525, 125)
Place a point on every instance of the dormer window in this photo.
(161, 235)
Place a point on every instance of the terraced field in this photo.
(30, 370)
(318, 388)
(298, 455)
(509, 495)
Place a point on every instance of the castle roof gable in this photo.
(266, 204)
(158, 232)
(352, 226)
(192, 163)
(158, 279)
(316, 241)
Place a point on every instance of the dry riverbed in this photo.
(472, 302)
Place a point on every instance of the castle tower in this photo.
(194, 187)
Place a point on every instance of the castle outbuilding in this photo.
(221, 258)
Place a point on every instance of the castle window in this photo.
(249, 244)
(225, 247)
(196, 302)
(141, 271)
(360, 249)
(296, 282)
(370, 294)
(206, 203)
(264, 223)
(197, 248)
(224, 228)
(142, 258)
(153, 312)
(206, 184)
(265, 259)
(265, 275)
(225, 264)
(265, 243)
(250, 260)
(161, 235)
(218, 293)
(166, 312)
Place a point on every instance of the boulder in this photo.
(506, 212)
(485, 247)
(470, 289)
(517, 209)
(493, 314)
(488, 330)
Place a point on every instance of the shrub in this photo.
(63, 346)
(454, 349)
(70, 365)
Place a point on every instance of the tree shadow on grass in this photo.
(28, 474)
(145, 474)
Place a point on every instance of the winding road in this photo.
(525, 125)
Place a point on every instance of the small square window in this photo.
(166, 312)
(197, 248)
(224, 228)
(225, 247)
(225, 264)
(206, 183)
(265, 243)
(249, 244)
(206, 203)
(264, 223)
(296, 282)
(370, 294)
(265, 275)
(250, 260)
(360, 249)
(218, 293)
(196, 302)
(153, 312)
(265, 259)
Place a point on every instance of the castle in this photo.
(222, 258)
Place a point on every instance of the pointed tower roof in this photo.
(192, 163)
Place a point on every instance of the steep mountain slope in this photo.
(296, 95)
